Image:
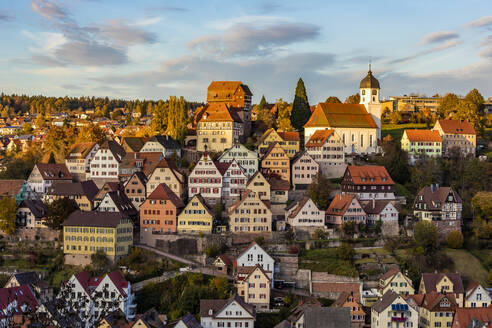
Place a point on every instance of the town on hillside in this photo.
(368, 213)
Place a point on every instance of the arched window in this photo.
(374, 92)
(363, 92)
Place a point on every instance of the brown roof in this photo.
(80, 150)
(289, 136)
(388, 298)
(54, 171)
(340, 203)
(226, 259)
(431, 279)
(277, 183)
(375, 207)
(341, 115)
(217, 305)
(222, 167)
(37, 207)
(148, 160)
(435, 197)
(169, 163)
(471, 287)
(423, 135)
(225, 90)
(115, 148)
(318, 138)
(122, 202)
(337, 287)
(464, 316)
(85, 188)
(378, 174)
(220, 112)
(93, 219)
(133, 144)
(390, 273)
(162, 191)
(10, 188)
(456, 127)
(298, 206)
(431, 301)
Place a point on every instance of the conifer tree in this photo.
(300, 109)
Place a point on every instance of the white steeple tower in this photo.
(369, 97)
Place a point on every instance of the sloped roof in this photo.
(188, 320)
(93, 219)
(276, 183)
(22, 294)
(375, 207)
(80, 150)
(319, 138)
(217, 305)
(115, 148)
(133, 144)
(378, 174)
(298, 206)
(162, 191)
(10, 188)
(341, 115)
(150, 160)
(388, 298)
(219, 112)
(431, 279)
(390, 273)
(456, 127)
(464, 316)
(27, 278)
(327, 317)
(340, 203)
(225, 90)
(122, 202)
(54, 171)
(423, 135)
(431, 300)
(472, 285)
(200, 198)
(435, 197)
(84, 188)
(37, 207)
(166, 141)
(289, 135)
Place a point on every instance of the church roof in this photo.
(341, 115)
(369, 81)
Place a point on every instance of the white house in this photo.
(255, 255)
(385, 211)
(392, 311)
(99, 296)
(327, 149)
(44, 175)
(248, 159)
(232, 312)
(163, 144)
(234, 181)
(305, 214)
(105, 165)
(304, 169)
(206, 179)
(79, 158)
(477, 296)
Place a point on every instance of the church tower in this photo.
(369, 97)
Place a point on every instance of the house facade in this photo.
(435, 309)
(304, 170)
(233, 312)
(206, 179)
(260, 186)
(254, 288)
(368, 182)
(254, 255)
(83, 193)
(167, 172)
(79, 159)
(31, 214)
(248, 159)
(422, 142)
(305, 214)
(345, 208)
(234, 181)
(396, 281)
(196, 217)
(476, 296)
(289, 141)
(327, 149)
(448, 283)
(457, 133)
(276, 161)
(250, 214)
(136, 188)
(105, 166)
(44, 175)
(392, 311)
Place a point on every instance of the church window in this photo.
(363, 92)
(374, 92)
(362, 141)
(373, 98)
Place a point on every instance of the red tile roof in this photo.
(339, 204)
(341, 115)
(162, 191)
(370, 175)
(464, 316)
(219, 112)
(456, 127)
(423, 135)
(289, 136)
(318, 138)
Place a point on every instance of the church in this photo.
(358, 125)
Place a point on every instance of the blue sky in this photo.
(153, 49)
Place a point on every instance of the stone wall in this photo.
(44, 234)
(390, 228)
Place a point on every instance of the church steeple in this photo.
(369, 89)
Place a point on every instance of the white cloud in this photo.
(481, 22)
(146, 21)
(438, 37)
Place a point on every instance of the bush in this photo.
(345, 252)
(455, 239)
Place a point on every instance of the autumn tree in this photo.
(319, 191)
(300, 108)
(261, 105)
(476, 98)
(283, 119)
(159, 118)
(8, 214)
(353, 99)
(333, 100)
(448, 104)
(177, 118)
(482, 205)
(426, 237)
(467, 110)
(455, 239)
(91, 133)
(58, 212)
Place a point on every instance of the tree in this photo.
(91, 133)
(395, 160)
(348, 228)
(426, 236)
(262, 104)
(319, 191)
(489, 280)
(8, 214)
(476, 98)
(345, 252)
(455, 239)
(159, 118)
(300, 109)
(177, 118)
(26, 128)
(482, 205)
(283, 117)
(467, 110)
(333, 100)
(448, 104)
(353, 99)
(395, 117)
(58, 212)
(99, 261)
(40, 121)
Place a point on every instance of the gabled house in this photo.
(117, 201)
(16, 302)
(136, 188)
(133, 144)
(40, 288)
(139, 162)
(159, 212)
(345, 208)
(105, 166)
(18, 189)
(326, 148)
(457, 134)
(186, 321)
(368, 182)
(233, 312)
(250, 214)
(476, 296)
(254, 255)
(44, 175)
(276, 161)
(396, 281)
(422, 142)
(323, 317)
(279, 190)
(384, 211)
(196, 217)
(304, 170)
(107, 187)
(83, 193)
(79, 159)
(164, 144)
(472, 318)
(31, 214)
(206, 179)
(254, 287)
(357, 314)
(435, 309)
(234, 181)
(305, 214)
(441, 206)
(248, 159)
(167, 172)
(259, 185)
(289, 141)
(445, 283)
(393, 310)
(223, 263)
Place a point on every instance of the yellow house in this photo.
(196, 217)
(396, 281)
(435, 309)
(276, 161)
(289, 141)
(259, 185)
(85, 233)
(443, 283)
(167, 172)
(254, 288)
(250, 214)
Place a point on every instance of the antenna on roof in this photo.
(369, 65)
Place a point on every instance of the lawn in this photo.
(377, 251)
(468, 265)
(396, 130)
(325, 260)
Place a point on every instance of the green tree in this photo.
(489, 280)
(426, 236)
(99, 262)
(177, 118)
(319, 191)
(353, 99)
(455, 239)
(476, 98)
(26, 128)
(261, 105)
(482, 205)
(300, 109)
(448, 104)
(395, 160)
(8, 214)
(345, 252)
(52, 160)
(58, 212)
(348, 228)
(333, 100)
(395, 117)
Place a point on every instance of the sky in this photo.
(154, 49)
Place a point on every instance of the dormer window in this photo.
(210, 312)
